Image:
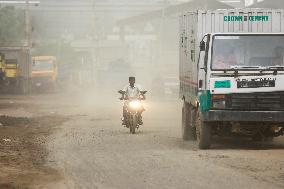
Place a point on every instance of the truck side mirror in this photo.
(202, 46)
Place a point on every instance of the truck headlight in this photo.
(218, 101)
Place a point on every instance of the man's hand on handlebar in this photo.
(142, 97)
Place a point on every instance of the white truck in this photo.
(232, 74)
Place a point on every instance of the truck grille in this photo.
(256, 101)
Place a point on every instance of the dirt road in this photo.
(86, 147)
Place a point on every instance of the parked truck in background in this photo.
(232, 74)
(15, 70)
(44, 72)
(9, 71)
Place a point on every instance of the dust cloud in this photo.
(99, 44)
(70, 135)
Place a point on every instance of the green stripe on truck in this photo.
(204, 100)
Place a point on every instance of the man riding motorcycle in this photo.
(132, 91)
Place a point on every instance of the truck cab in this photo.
(240, 85)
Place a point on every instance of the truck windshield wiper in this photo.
(246, 67)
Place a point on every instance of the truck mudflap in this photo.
(249, 116)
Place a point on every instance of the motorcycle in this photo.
(133, 109)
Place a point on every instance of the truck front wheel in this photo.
(188, 131)
(203, 132)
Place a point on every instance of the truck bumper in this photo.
(248, 116)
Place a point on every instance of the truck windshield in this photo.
(42, 66)
(247, 51)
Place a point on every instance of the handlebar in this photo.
(126, 98)
(141, 96)
(121, 92)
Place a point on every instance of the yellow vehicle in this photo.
(44, 72)
(11, 69)
(15, 70)
(8, 68)
(9, 72)
(2, 65)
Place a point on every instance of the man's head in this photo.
(131, 81)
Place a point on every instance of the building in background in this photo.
(153, 37)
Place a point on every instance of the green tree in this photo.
(12, 26)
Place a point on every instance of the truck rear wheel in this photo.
(203, 133)
(188, 131)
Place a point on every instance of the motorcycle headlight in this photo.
(218, 101)
(135, 104)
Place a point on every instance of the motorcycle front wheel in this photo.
(133, 124)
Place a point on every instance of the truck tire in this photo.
(188, 132)
(203, 133)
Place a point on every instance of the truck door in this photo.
(202, 63)
(203, 92)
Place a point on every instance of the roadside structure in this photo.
(159, 30)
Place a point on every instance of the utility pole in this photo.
(27, 21)
(26, 81)
(95, 46)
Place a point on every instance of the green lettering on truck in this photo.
(225, 18)
(244, 18)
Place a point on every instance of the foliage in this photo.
(12, 30)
